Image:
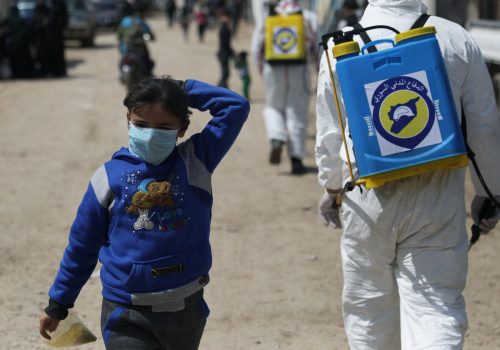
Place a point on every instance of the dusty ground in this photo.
(276, 279)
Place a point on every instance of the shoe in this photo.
(297, 167)
(275, 155)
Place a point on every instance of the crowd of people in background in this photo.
(205, 14)
(34, 47)
(210, 14)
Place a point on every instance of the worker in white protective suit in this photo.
(287, 85)
(404, 245)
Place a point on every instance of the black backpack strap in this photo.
(463, 123)
(420, 22)
(365, 37)
(472, 157)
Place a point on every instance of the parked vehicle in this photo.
(107, 13)
(82, 22)
(26, 8)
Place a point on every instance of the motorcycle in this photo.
(135, 65)
(132, 70)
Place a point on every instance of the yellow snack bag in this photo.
(71, 332)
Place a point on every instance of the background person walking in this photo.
(225, 51)
(185, 21)
(241, 64)
(283, 61)
(170, 12)
(200, 11)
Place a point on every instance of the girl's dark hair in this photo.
(166, 91)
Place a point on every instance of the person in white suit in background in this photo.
(288, 90)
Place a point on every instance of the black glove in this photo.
(487, 220)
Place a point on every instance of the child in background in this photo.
(200, 11)
(241, 64)
(184, 21)
(146, 217)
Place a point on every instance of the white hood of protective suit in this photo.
(287, 7)
(411, 5)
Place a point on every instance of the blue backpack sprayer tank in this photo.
(400, 110)
(399, 105)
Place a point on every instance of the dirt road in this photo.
(276, 279)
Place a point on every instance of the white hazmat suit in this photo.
(404, 245)
(287, 87)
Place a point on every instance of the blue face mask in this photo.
(152, 145)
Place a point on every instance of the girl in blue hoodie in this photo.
(146, 217)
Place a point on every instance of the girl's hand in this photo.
(47, 323)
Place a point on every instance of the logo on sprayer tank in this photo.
(403, 113)
(285, 39)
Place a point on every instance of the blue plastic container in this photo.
(400, 108)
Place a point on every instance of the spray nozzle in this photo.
(338, 37)
(349, 186)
